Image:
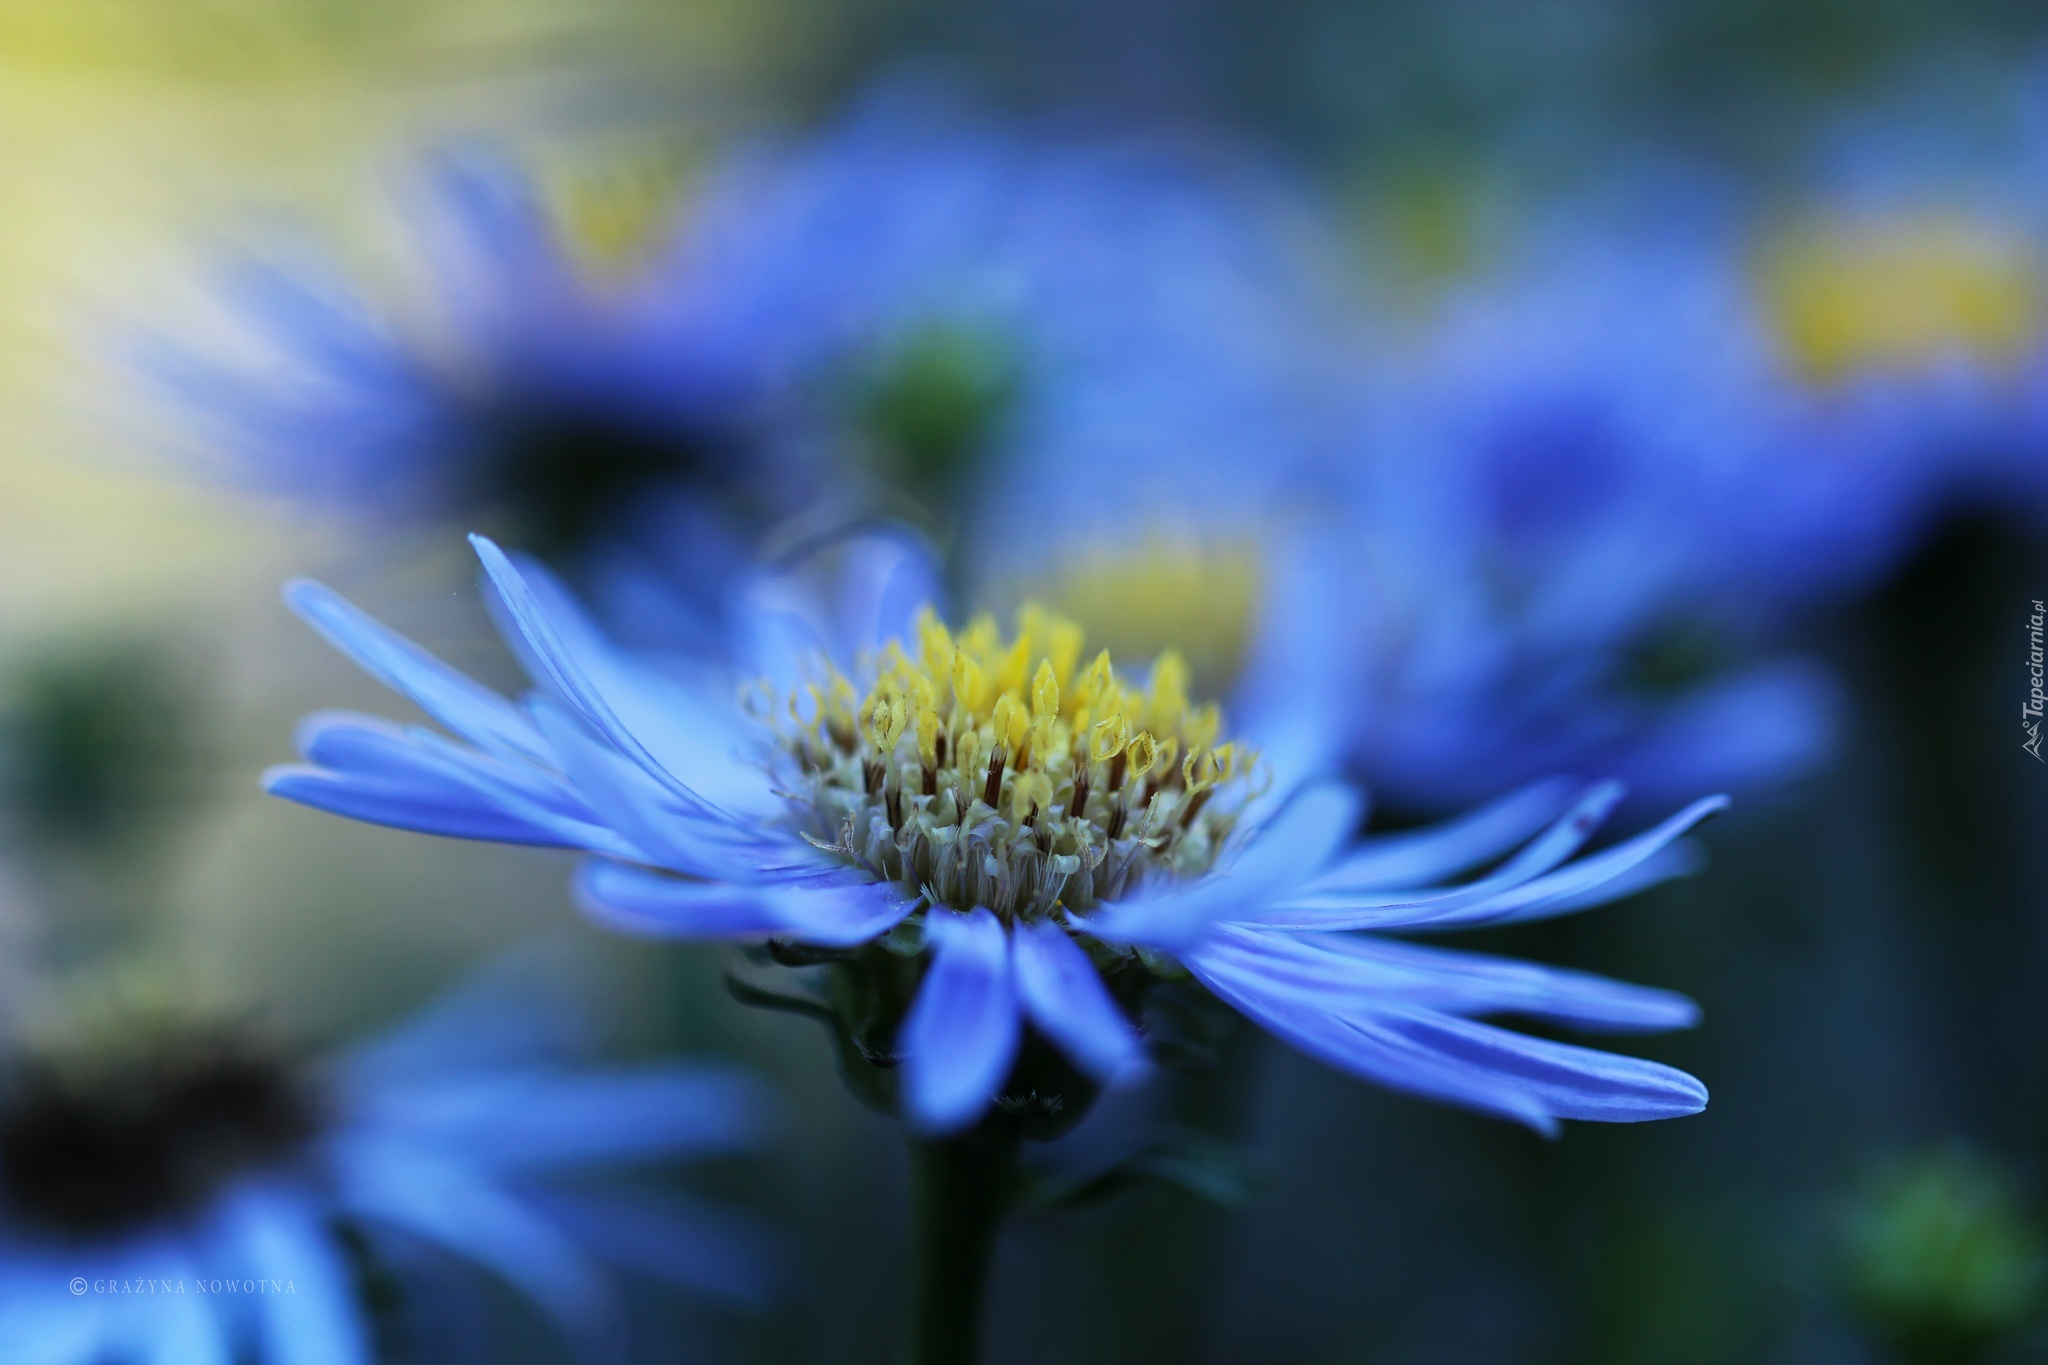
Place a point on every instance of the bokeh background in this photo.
(1479, 201)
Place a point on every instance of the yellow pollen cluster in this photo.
(981, 769)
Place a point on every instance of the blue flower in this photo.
(1030, 836)
(525, 390)
(1153, 309)
(178, 1196)
(1616, 476)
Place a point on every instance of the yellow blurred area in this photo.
(1168, 590)
(1892, 294)
(134, 134)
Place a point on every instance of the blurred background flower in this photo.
(177, 1184)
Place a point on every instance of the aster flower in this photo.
(529, 390)
(992, 832)
(991, 310)
(1616, 476)
(177, 1190)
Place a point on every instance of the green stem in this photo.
(960, 1190)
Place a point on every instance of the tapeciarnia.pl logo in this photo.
(2030, 714)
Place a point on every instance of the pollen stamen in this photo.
(890, 775)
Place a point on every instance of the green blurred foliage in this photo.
(1939, 1258)
(99, 743)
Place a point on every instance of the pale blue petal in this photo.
(44, 1323)
(318, 1322)
(1560, 841)
(663, 829)
(1170, 920)
(1686, 858)
(376, 772)
(775, 633)
(452, 1205)
(634, 900)
(1294, 695)
(1455, 1060)
(1300, 838)
(1766, 726)
(168, 1329)
(528, 1007)
(780, 625)
(327, 332)
(459, 702)
(565, 674)
(1430, 855)
(502, 238)
(660, 1233)
(696, 732)
(540, 1118)
(1584, 882)
(962, 1031)
(883, 582)
(1305, 1021)
(352, 741)
(1316, 910)
(1570, 1082)
(1373, 971)
(1064, 996)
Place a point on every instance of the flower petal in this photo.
(962, 1032)
(1520, 881)
(828, 912)
(561, 668)
(1761, 727)
(670, 1236)
(1430, 855)
(447, 1202)
(884, 580)
(456, 700)
(628, 799)
(781, 622)
(1296, 686)
(1064, 996)
(369, 769)
(1455, 1060)
(1686, 858)
(167, 1329)
(1571, 1082)
(540, 1117)
(1300, 838)
(692, 730)
(1303, 1019)
(1375, 970)
(1586, 881)
(317, 1323)
(43, 1327)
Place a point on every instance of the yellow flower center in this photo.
(1002, 771)
(1849, 299)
